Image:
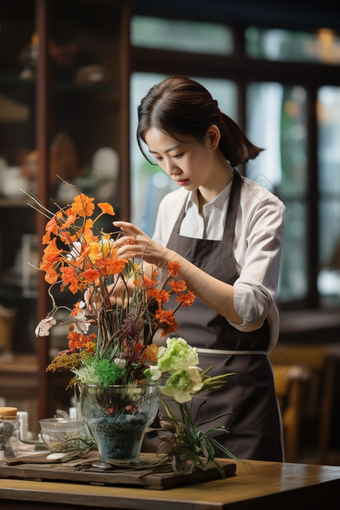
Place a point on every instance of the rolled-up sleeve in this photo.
(256, 287)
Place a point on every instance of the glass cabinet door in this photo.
(85, 132)
(86, 99)
(18, 290)
(75, 100)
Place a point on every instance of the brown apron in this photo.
(256, 431)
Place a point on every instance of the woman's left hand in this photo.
(136, 244)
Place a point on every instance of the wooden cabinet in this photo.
(64, 111)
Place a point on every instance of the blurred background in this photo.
(72, 74)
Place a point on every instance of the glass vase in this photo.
(118, 417)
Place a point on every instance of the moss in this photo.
(108, 372)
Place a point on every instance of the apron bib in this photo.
(249, 394)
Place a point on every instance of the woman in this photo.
(226, 232)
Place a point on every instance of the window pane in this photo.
(329, 136)
(329, 251)
(180, 35)
(277, 121)
(293, 284)
(149, 184)
(278, 44)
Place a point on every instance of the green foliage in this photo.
(188, 448)
(212, 383)
(108, 372)
(102, 371)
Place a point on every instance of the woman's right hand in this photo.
(138, 245)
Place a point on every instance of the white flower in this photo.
(183, 384)
(75, 251)
(155, 373)
(43, 328)
(121, 363)
(80, 323)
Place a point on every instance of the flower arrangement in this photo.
(121, 351)
(81, 260)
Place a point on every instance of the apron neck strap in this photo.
(234, 200)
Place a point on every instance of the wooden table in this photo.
(265, 485)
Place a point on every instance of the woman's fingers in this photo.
(139, 245)
(134, 244)
(129, 228)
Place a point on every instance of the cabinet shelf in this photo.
(13, 203)
(16, 294)
(99, 88)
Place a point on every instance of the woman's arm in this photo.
(218, 295)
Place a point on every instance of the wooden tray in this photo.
(36, 467)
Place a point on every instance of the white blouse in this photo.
(257, 245)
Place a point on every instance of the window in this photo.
(277, 122)
(167, 34)
(329, 188)
(278, 44)
(283, 89)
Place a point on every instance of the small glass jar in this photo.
(9, 436)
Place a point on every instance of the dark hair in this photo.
(180, 106)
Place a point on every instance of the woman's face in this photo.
(187, 162)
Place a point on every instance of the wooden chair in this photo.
(290, 388)
(322, 363)
(330, 384)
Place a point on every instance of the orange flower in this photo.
(147, 282)
(71, 219)
(89, 236)
(75, 310)
(172, 328)
(173, 268)
(115, 265)
(79, 341)
(46, 238)
(161, 296)
(54, 223)
(96, 253)
(178, 287)
(150, 353)
(69, 277)
(107, 208)
(51, 277)
(186, 299)
(84, 251)
(90, 275)
(164, 316)
(152, 293)
(167, 318)
(66, 237)
(51, 252)
(88, 223)
(138, 348)
(73, 337)
(89, 347)
(83, 205)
